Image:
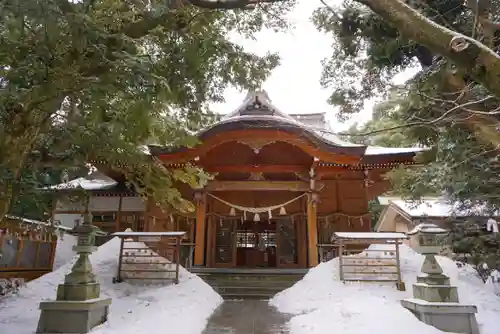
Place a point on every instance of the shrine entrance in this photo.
(269, 243)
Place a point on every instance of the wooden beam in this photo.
(119, 216)
(264, 134)
(255, 168)
(312, 232)
(199, 249)
(300, 186)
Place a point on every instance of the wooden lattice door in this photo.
(287, 242)
(225, 242)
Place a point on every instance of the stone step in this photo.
(249, 285)
(239, 296)
(228, 282)
(244, 290)
(252, 278)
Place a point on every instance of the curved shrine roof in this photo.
(257, 112)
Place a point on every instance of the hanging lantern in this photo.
(232, 212)
(282, 211)
(270, 214)
(256, 218)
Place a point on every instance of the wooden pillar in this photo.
(199, 248)
(312, 231)
(119, 214)
(341, 263)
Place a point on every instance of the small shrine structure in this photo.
(283, 184)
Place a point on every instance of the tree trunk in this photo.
(475, 58)
(471, 56)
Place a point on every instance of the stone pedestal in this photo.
(67, 317)
(448, 317)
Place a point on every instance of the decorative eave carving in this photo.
(257, 176)
(256, 144)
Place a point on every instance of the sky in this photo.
(294, 87)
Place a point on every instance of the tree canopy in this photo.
(94, 80)
(447, 106)
(451, 106)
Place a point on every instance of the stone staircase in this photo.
(249, 283)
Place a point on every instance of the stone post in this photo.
(78, 307)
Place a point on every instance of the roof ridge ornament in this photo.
(258, 103)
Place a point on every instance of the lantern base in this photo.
(448, 317)
(435, 293)
(436, 279)
(72, 316)
(78, 292)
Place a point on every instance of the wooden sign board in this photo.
(149, 239)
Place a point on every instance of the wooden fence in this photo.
(149, 257)
(379, 263)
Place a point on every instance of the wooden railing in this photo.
(327, 252)
(187, 253)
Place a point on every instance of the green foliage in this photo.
(96, 79)
(386, 115)
(460, 164)
(367, 52)
(375, 208)
(473, 245)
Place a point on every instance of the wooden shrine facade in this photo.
(280, 188)
(282, 185)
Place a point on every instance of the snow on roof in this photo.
(148, 234)
(377, 150)
(93, 181)
(145, 149)
(256, 100)
(369, 235)
(258, 105)
(317, 120)
(386, 200)
(437, 207)
(37, 222)
(430, 228)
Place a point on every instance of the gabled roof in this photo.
(93, 181)
(258, 112)
(436, 207)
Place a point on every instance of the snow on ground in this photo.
(322, 304)
(135, 309)
(64, 250)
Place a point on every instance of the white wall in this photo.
(104, 203)
(66, 205)
(133, 204)
(68, 219)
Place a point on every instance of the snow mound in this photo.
(64, 250)
(322, 304)
(135, 309)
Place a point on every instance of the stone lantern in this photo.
(435, 301)
(429, 238)
(77, 308)
(429, 244)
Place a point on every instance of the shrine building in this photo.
(282, 185)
